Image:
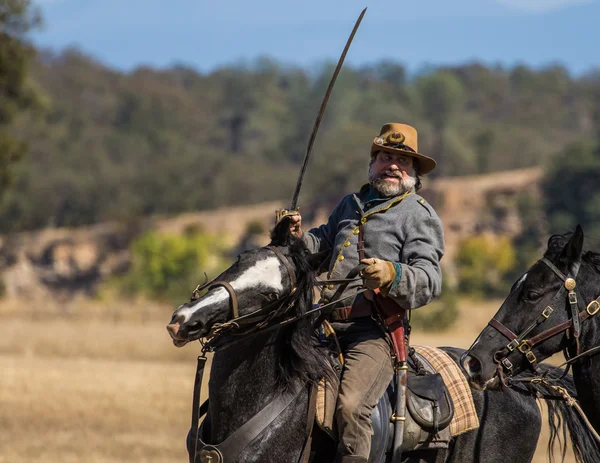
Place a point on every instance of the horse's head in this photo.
(541, 316)
(262, 285)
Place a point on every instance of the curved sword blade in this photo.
(313, 135)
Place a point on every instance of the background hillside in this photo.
(112, 145)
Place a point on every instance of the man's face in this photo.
(392, 174)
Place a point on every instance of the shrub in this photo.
(168, 267)
(440, 315)
(484, 262)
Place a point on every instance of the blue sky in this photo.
(207, 34)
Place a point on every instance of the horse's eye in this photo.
(532, 296)
(272, 296)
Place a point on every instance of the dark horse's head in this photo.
(263, 287)
(536, 319)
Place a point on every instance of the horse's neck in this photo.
(243, 381)
(586, 373)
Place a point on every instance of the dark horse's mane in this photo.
(302, 357)
(557, 242)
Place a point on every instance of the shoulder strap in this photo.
(237, 441)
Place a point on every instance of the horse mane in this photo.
(557, 242)
(302, 355)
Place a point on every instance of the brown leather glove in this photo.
(378, 274)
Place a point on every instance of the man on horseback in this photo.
(399, 238)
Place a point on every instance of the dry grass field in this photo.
(101, 382)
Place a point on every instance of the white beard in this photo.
(388, 189)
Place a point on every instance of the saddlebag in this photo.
(428, 402)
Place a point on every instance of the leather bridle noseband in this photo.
(572, 327)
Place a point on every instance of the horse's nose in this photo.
(174, 327)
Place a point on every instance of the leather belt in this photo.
(363, 308)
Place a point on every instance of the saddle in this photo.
(430, 408)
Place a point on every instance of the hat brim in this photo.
(426, 164)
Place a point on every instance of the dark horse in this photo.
(258, 360)
(551, 308)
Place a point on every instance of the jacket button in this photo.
(325, 301)
(347, 243)
(341, 258)
(363, 220)
(330, 287)
(356, 231)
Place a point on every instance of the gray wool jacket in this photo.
(403, 229)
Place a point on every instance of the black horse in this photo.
(551, 308)
(259, 361)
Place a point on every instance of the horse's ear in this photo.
(318, 260)
(570, 256)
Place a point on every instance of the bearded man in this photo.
(402, 244)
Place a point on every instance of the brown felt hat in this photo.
(401, 138)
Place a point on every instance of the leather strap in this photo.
(583, 315)
(503, 329)
(287, 265)
(310, 421)
(196, 407)
(554, 268)
(361, 241)
(560, 328)
(237, 441)
(576, 322)
(232, 296)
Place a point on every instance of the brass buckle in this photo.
(512, 345)
(210, 454)
(592, 311)
(572, 297)
(507, 364)
(397, 418)
(531, 357)
(547, 312)
(525, 347)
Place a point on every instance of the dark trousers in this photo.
(367, 373)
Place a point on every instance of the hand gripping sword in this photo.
(280, 214)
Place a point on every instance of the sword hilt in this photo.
(282, 213)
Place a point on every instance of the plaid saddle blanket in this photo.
(465, 415)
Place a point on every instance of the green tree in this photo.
(442, 96)
(17, 93)
(570, 189)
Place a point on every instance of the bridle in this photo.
(265, 318)
(572, 327)
(241, 325)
